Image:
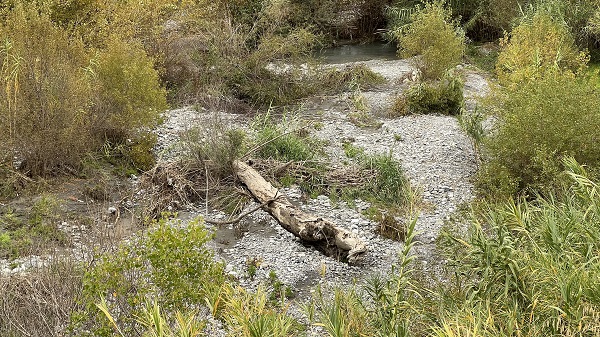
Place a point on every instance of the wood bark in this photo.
(321, 233)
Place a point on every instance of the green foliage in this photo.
(524, 268)
(388, 187)
(436, 38)
(538, 47)
(282, 141)
(352, 151)
(387, 307)
(339, 19)
(170, 262)
(472, 125)
(156, 324)
(539, 123)
(130, 98)
(445, 97)
(532, 262)
(251, 315)
(279, 290)
(31, 233)
(487, 20)
(484, 56)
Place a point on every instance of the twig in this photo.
(206, 198)
(241, 216)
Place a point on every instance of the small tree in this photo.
(433, 35)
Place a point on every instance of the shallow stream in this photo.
(358, 52)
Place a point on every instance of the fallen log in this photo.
(318, 232)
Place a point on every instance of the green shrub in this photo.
(539, 123)
(436, 38)
(538, 46)
(60, 103)
(170, 263)
(445, 97)
(130, 98)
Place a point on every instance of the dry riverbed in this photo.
(434, 152)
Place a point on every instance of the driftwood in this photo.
(321, 233)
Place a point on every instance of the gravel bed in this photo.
(435, 153)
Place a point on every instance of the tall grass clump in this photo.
(538, 124)
(282, 140)
(44, 105)
(384, 306)
(435, 37)
(532, 267)
(444, 97)
(386, 187)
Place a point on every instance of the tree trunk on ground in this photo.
(318, 232)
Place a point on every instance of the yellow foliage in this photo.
(433, 35)
(536, 49)
(61, 98)
(45, 105)
(129, 95)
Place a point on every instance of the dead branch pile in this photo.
(170, 186)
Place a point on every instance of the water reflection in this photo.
(360, 52)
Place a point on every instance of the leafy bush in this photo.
(536, 47)
(539, 123)
(445, 97)
(436, 38)
(170, 262)
(129, 97)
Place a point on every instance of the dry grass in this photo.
(40, 302)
